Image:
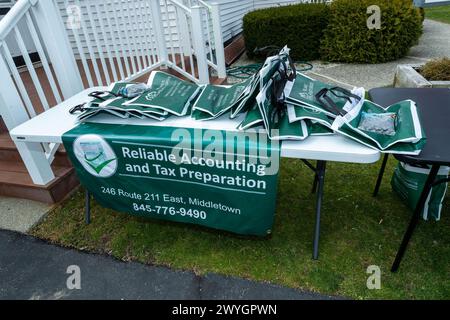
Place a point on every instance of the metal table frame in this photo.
(432, 155)
(415, 218)
(318, 184)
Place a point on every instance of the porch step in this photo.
(234, 49)
(8, 152)
(16, 182)
(2, 126)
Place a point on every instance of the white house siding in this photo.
(232, 12)
(431, 2)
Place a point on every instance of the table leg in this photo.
(415, 217)
(35, 161)
(320, 173)
(316, 180)
(380, 174)
(87, 213)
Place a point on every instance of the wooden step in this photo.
(9, 168)
(16, 182)
(234, 49)
(2, 126)
(6, 141)
(9, 152)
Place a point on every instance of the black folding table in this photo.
(434, 110)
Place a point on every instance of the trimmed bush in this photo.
(422, 14)
(300, 27)
(437, 70)
(348, 39)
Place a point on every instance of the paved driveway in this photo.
(33, 269)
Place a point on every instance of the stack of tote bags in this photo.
(395, 129)
(287, 103)
(164, 95)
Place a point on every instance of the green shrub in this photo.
(300, 27)
(422, 14)
(437, 70)
(348, 39)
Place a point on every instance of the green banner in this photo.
(219, 179)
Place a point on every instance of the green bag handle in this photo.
(77, 108)
(93, 94)
(97, 94)
(287, 73)
(328, 104)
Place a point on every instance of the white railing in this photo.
(24, 94)
(52, 81)
(86, 43)
(212, 29)
(113, 40)
(164, 34)
(180, 49)
(197, 26)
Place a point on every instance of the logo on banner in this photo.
(95, 155)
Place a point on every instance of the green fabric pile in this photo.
(163, 96)
(287, 104)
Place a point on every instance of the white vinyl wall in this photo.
(232, 12)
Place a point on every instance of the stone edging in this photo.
(406, 76)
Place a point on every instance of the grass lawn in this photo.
(438, 13)
(357, 231)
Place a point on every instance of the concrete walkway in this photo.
(21, 214)
(33, 269)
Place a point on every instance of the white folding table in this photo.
(48, 128)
